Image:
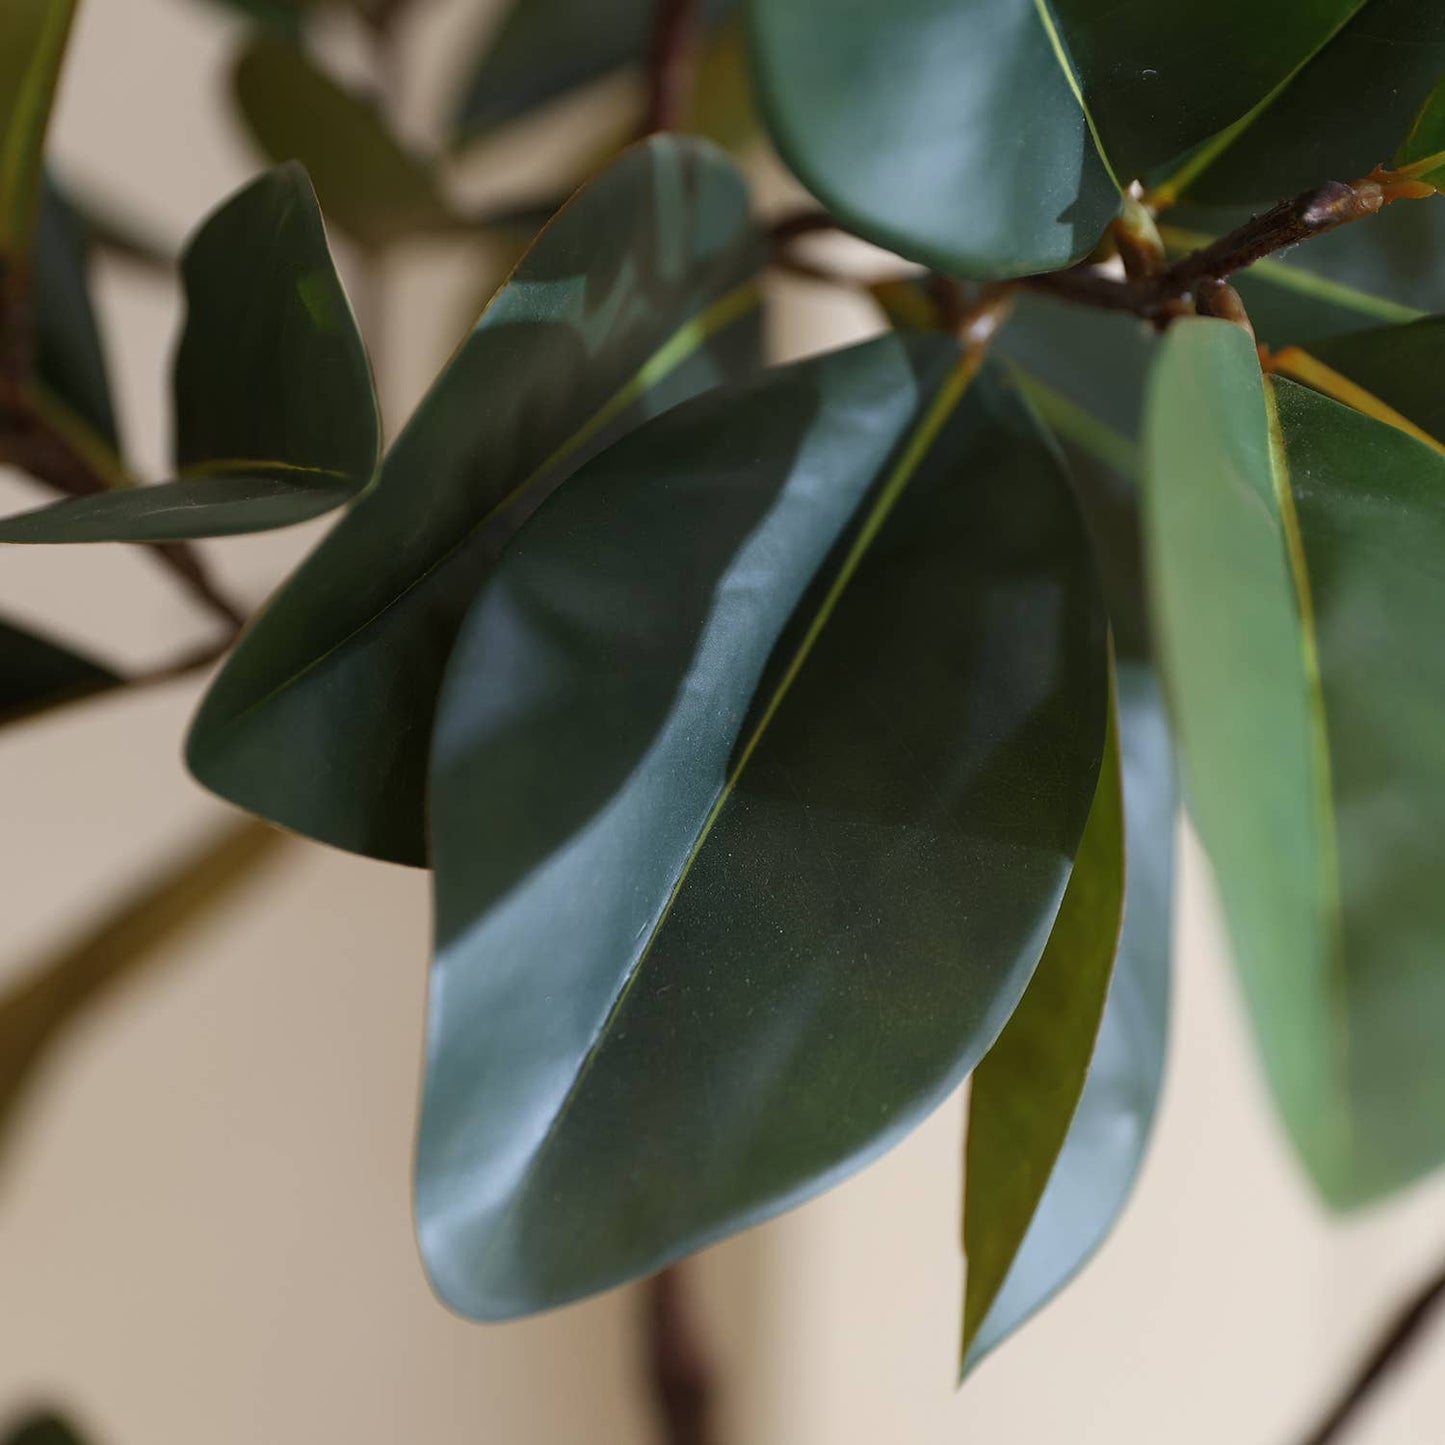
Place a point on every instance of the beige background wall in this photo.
(204, 1226)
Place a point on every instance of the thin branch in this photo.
(678, 1369)
(670, 65)
(1391, 1350)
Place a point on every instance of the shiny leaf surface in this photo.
(1306, 691)
(981, 163)
(369, 185)
(758, 772)
(275, 417)
(36, 674)
(544, 48)
(1338, 118)
(33, 34)
(640, 292)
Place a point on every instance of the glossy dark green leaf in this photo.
(54, 993)
(368, 183)
(1104, 1124)
(947, 132)
(36, 673)
(44, 1428)
(1343, 114)
(640, 292)
(1298, 584)
(275, 417)
(33, 35)
(1422, 153)
(1401, 365)
(69, 358)
(544, 48)
(758, 771)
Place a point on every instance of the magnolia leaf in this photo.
(37, 674)
(1337, 118)
(368, 183)
(640, 292)
(1305, 695)
(759, 768)
(1422, 154)
(544, 48)
(33, 35)
(930, 168)
(276, 421)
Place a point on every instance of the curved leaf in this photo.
(980, 164)
(544, 48)
(1338, 118)
(1422, 153)
(69, 358)
(43, 1429)
(369, 185)
(275, 417)
(640, 292)
(1401, 365)
(1295, 547)
(36, 674)
(759, 768)
(33, 35)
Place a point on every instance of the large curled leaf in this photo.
(1295, 546)
(979, 162)
(33, 35)
(275, 417)
(544, 48)
(640, 292)
(368, 183)
(1068, 1107)
(757, 775)
(36, 673)
(1341, 115)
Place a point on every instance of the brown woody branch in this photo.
(1402, 1335)
(678, 1370)
(670, 65)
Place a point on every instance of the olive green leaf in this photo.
(1336, 118)
(368, 183)
(1295, 549)
(38, 1011)
(1397, 368)
(69, 358)
(544, 48)
(1422, 153)
(275, 417)
(640, 292)
(44, 1428)
(980, 163)
(33, 34)
(758, 771)
(36, 674)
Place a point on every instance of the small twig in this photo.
(670, 65)
(678, 1368)
(1389, 1352)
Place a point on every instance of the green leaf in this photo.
(1401, 365)
(1295, 549)
(37, 1013)
(1338, 118)
(1422, 153)
(544, 48)
(43, 1429)
(36, 674)
(69, 358)
(275, 417)
(33, 34)
(369, 184)
(642, 291)
(758, 771)
(930, 167)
